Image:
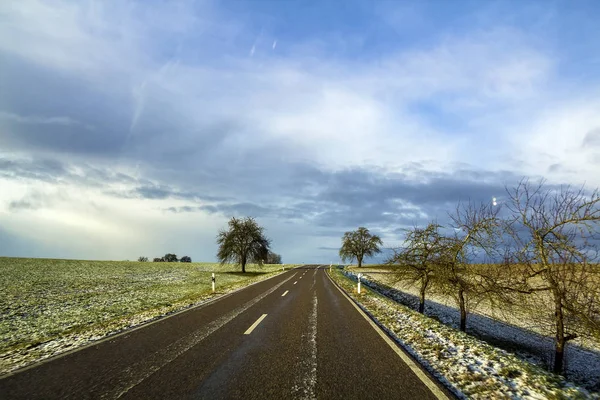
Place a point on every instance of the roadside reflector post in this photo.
(359, 275)
(213, 282)
(330, 264)
(282, 267)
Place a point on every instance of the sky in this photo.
(132, 128)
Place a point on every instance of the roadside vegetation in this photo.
(541, 260)
(471, 368)
(50, 306)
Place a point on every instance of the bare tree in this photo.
(419, 258)
(358, 244)
(244, 241)
(553, 232)
(476, 228)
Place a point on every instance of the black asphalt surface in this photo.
(312, 343)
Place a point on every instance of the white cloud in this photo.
(480, 97)
(337, 113)
(555, 136)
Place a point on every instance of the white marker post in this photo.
(282, 267)
(213, 282)
(330, 264)
(359, 275)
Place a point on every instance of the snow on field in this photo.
(470, 367)
(582, 364)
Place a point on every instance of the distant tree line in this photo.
(540, 246)
(167, 258)
(243, 242)
(273, 258)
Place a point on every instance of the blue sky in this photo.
(134, 128)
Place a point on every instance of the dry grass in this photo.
(536, 314)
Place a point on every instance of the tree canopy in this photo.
(358, 244)
(273, 258)
(243, 242)
(170, 257)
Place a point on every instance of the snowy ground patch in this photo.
(582, 364)
(469, 367)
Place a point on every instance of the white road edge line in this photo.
(254, 325)
(437, 392)
(284, 293)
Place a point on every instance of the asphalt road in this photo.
(292, 336)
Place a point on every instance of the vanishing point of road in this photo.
(294, 336)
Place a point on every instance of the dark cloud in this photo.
(55, 171)
(34, 201)
(364, 196)
(94, 121)
(555, 168)
(23, 205)
(372, 187)
(160, 192)
(105, 120)
(237, 209)
(153, 192)
(46, 170)
(352, 197)
(592, 138)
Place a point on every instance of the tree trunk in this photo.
(559, 349)
(243, 265)
(463, 310)
(359, 259)
(424, 284)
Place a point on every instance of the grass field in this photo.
(49, 306)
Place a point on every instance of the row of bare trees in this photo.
(541, 259)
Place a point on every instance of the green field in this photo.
(49, 306)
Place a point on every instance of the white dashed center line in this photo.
(284, 293)
(254, 325)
